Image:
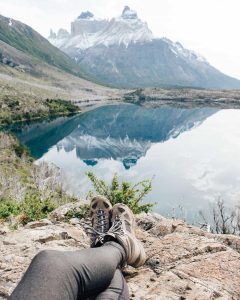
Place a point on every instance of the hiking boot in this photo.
(100, 208)
(123, 231)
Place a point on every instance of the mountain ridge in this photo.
(124, 53)
(24, 38)
(124, 29)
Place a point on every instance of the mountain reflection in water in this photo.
(191, 153)
(119, 132)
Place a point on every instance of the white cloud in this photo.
(208, 27)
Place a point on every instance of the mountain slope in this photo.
(152, 64)
(24, 38)
(27, 80)
(124, 53)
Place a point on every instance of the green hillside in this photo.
(24, 38)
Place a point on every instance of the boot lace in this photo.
(97, 234)
(117, 227)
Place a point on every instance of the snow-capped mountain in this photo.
(88, 31)
(123, 52)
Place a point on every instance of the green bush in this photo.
(8, 208)
(13, 103)
(34, 208)
(58, 106)
(30, 209)
(124, 192)
(81, 213)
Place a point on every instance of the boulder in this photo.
(60, 213)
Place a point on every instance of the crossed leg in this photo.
(75, 275)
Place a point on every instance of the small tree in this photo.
(123, 192)
(223, 219)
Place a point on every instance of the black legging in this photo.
(75, 275)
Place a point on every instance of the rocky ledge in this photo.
(184, 262)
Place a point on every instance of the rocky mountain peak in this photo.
(126, 41)
(52, 34)
(86, 15)
(88, 31)
(62, 33)
(128, 13)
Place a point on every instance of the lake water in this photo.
(191, 154)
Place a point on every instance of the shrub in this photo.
(222, 219)
(20, 149)
(123, 192)
(30, 209)
(34, 208)
(81, 213)
(13, 103)
(58, 106)
(8, 208)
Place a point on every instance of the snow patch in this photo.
(180, 51)
(89, 31)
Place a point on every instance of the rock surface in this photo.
(184, 262)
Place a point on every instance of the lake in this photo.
(191, 154)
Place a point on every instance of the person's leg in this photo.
(117, 290)
(70, 275)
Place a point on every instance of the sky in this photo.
(209, 27)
